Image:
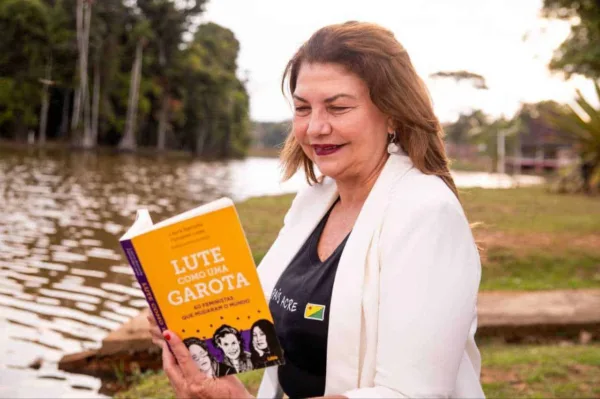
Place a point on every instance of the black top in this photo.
(300, 308)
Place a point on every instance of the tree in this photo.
(22, 66)
(580, 52)
(72, 61)
(477, 80)
(141, 34)
(59, 52)
(216, 102)
(168, 21)
(463, 130)
(584, 126)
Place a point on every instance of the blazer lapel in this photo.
(308, 209)
(343, 344)
(305, 216)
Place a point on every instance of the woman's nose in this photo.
(318, 124)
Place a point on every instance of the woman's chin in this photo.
(330, 169)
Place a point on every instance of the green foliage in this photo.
(580, 52)
(207, 105)
(270, 134)
(584, 127)
(24, 49)
(477, 80)
(466, 127)
(24, 44)
(216, 102)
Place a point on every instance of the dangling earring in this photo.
(393, 147)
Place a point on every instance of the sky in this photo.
(505, 41)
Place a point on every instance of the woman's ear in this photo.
(391, 126)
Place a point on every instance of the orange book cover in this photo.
(198, 275)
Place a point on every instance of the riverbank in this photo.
(62, 146)
(530, 239)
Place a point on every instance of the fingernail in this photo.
(167, 336)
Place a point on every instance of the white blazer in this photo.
(403, 308)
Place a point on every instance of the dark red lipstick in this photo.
(326, 149)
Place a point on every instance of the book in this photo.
(199, 277)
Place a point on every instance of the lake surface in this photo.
(64, 283)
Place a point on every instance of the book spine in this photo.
(138, 270)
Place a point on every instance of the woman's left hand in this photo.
(190, 382)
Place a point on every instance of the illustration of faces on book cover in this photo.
(231, 351)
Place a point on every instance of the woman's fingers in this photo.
(170, 366)
(182, 355)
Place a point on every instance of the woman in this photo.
(230, 342)
(377, 253)
(264, 351)
(204, 361)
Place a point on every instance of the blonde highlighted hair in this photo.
(373, 54)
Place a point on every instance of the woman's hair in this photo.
(273, 346)
(196, 341)
(223, 331)
(372, 53)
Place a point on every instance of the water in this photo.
(63, 281)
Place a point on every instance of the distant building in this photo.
(543, 148)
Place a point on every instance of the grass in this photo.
(531, 239)
(535, 240)
(156, 385)
(541, 371)
(508, 371)
(262, 218)
(532, 210)
(506, 269)
(481, 164)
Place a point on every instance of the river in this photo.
(64, 283)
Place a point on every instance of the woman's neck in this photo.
(353, 192)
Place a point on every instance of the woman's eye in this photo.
(339, 109)
(302, 109)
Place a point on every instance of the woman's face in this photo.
(230, 346)
(200, 357)
(259, 339)
(338, 126)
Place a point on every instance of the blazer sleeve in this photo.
(429, 278)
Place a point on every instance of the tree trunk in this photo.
(45, 104)
(163, 118)
(200, 139)
(78, 90)
(128, 141)
(87, 128)
(76, 108)
(64, 121)
(95, 105)
(163, 121)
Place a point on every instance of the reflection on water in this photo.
(63, 281)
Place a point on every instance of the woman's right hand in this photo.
(157, 337)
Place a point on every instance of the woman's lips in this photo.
(326, 149)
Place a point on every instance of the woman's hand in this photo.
(188, 381)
